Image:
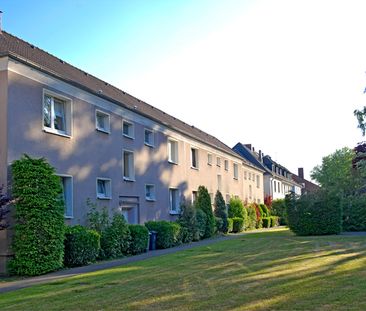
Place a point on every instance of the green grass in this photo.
(263, 271)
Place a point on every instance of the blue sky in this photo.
(283, 75)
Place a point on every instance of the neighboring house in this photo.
(277, 180)
(105, 144)
(307, 186)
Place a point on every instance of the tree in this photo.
(336, 174)
(361, 119)
(4, 201)
(203, 202)
(220, 210)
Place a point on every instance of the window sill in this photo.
(149, 145)
(68, 217)
(55, 132)
(150, 200)
(209, 164)
(103, 130)
(103, 197)
(128, 179)
(194, 168)
(172, 162)
(174, 213)
(235, 178)
(128, 136)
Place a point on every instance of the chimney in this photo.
(260, 158)
(300, 172)
(1, 17)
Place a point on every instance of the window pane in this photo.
(126, 165)
(47, 111)
(101, 188)
(59, 117)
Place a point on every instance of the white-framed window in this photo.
(149, 138)
(219, 182)
(194, 196)
(250, 192)
(226, 165)
(212, 198)
(128, 166)
(172, 151)
(67, 193)
(218, 161)
(236, 171)
(227, 198)
(104, 188)
(245, 175)
(194, 158)
(150, 192)
(128, 129)
(258, 181)
(209, 158)
(174, 201)
(102, 121)
(57, 113)
(275, 185)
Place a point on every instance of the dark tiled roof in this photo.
(246, 153)
(308, 185)
(27, 53)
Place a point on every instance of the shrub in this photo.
(201, 223)
(188, 221)
(251, 219)
(266, 222)
(279, 209)
(139, 239)
(203, 202)
(115, 239)
(168, 233)
(258, 212)
(81, 246)
(220, 211)
(314, 214)
(4, 201)
(230, 225)
(265, 210)
(219, 223)
(38, 242)
(97, 220)
(274, 221)
(238, 224)
(236, 209)
(354, 213)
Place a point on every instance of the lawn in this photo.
(262, 271)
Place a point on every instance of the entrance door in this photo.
(130, 208)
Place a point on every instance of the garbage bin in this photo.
(152, 240)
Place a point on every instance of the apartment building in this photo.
(106, 145)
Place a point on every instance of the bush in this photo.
(265, 210)
(354, 213)
(274, 221)
(4, 202)
(251, 219)
(188, 221)
(230, 225)
(139, 239)
(219, 223)
(220, 211)
(168, 233)
(203, 202)
(266, 222)
(115, 239)
(201, 223)
(97, 220)
(314, 214)
(258, 212)
(236, 209)
(238, 224)
(38, 242)
(81, 246)
(279, 209)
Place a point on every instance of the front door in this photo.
(130, 208)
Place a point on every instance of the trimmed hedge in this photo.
(266, 222)
(279, 209)
(236, 209)
(354, 213)
(238, 224)
(220, 211)
(139, 239)
(274, 221)
(219, 224)
(81, 246)
(203, 202)
(201, 222)
(168, 233)
(230, 224)
(39, 233)
(314, 214)
(188, 221)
